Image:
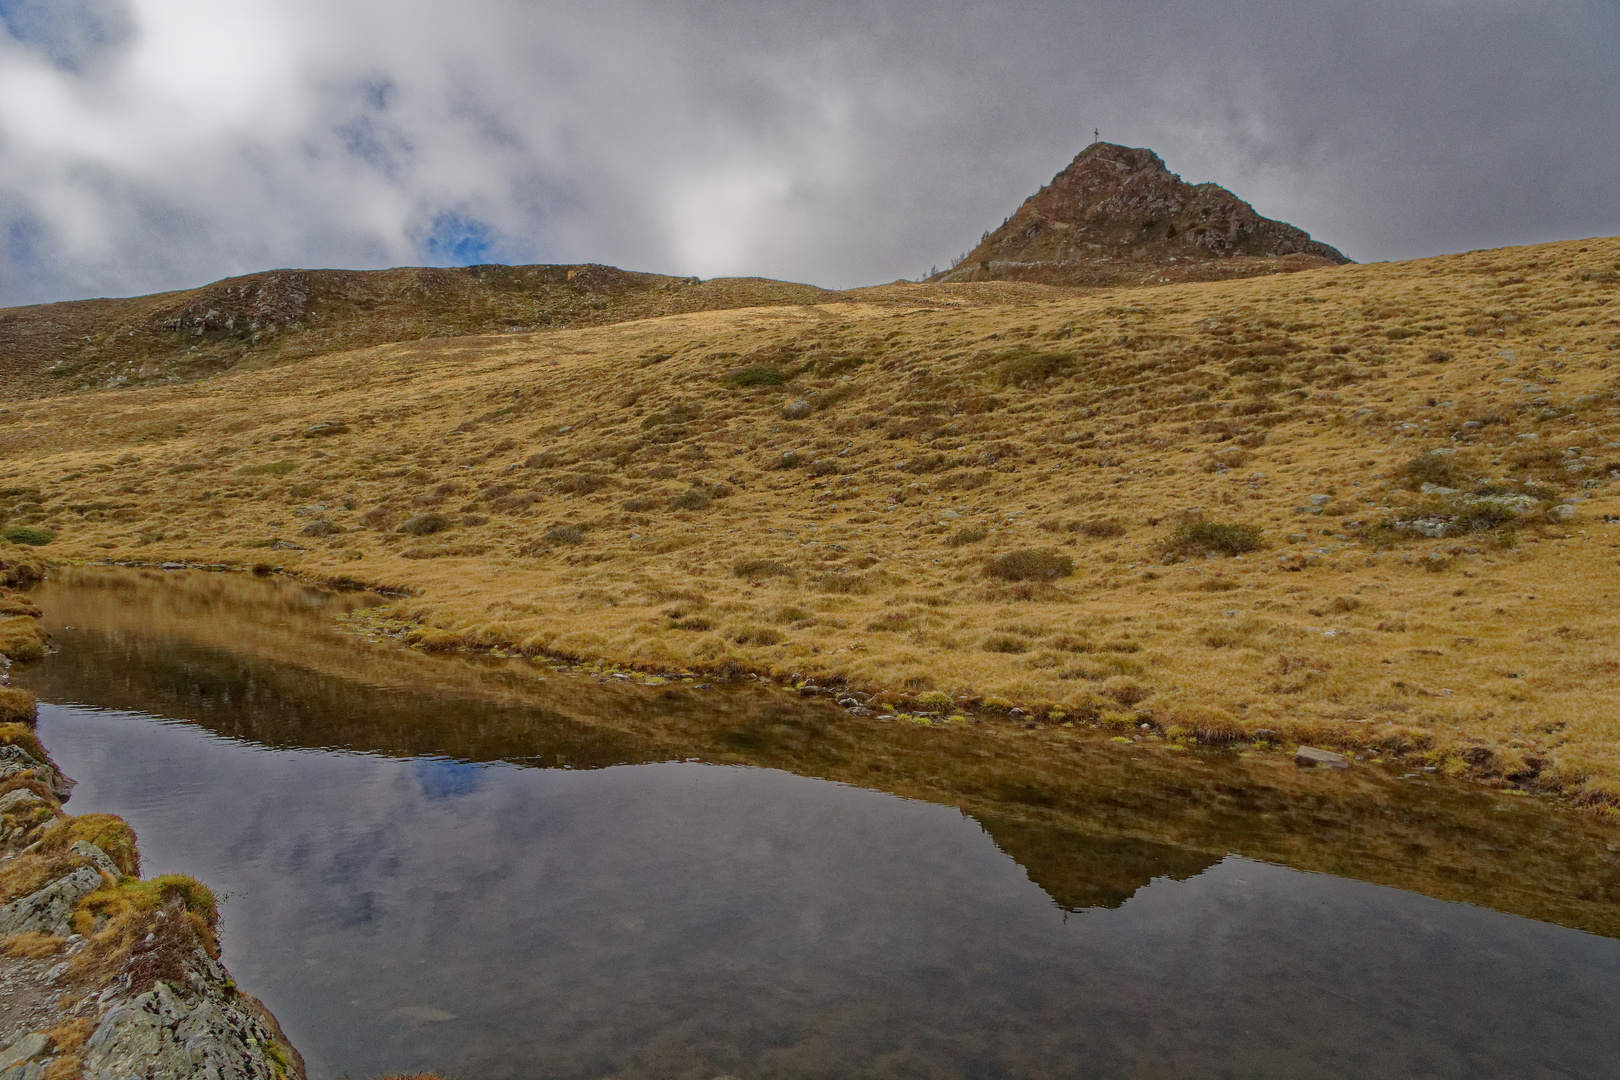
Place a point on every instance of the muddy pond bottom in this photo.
(405, 911)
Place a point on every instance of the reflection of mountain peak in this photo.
(1079, 871)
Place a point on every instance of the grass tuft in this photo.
(1030, 565)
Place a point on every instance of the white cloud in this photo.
(167, 142)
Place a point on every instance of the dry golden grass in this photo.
(616, 494)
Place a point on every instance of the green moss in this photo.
(21, 534)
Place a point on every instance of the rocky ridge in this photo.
(280, 315)
(104, 975)
(1118, 216)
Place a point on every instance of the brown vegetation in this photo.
(1435, 496)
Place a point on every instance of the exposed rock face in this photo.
(201, 1030)
(1116, 215)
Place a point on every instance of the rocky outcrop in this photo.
(106, 976)
(1117, 215)
(203, 1029)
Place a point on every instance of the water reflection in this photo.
(406, 893)
(685, 920)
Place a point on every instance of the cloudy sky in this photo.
(157, 144)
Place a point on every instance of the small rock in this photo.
(798, 410)
(1563, 513)
(1319, 500)
(329, 427)
(1310, 756)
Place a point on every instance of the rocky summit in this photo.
(1118, 216)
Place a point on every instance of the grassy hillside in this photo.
(280, 315)
(1360, 506)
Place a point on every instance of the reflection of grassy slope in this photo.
(601, 487)
(1089, 819)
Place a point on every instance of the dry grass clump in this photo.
(760, 569)
(19, 567)
(21, 638)
(17, 706)
(108, 832)
(1028, 564)
(20, 732)
(147, 930)
(423, 524)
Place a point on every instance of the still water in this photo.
(481, 872)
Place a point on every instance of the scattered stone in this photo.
(1311, 757)
(1319, 500)
(798, 410)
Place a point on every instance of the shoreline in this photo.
(105, 973)
(1357, 744)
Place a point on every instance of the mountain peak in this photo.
(1118, 215)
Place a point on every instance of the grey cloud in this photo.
(836, 142)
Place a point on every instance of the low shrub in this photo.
(1030, 565)
(691, 499)
(1212, 537)
(564, 534)
(968, 534)
(1004, 643)
(759, 569)
(1433, 467)
(757, 635)
(320, 527)
(581, 484)
(638, 505)
(424, 524)
(1097, 528)
(757, 376)
(378, 517)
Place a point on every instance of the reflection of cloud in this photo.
(696, 920)
(150, 144)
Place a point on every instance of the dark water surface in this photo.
(436, 865)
